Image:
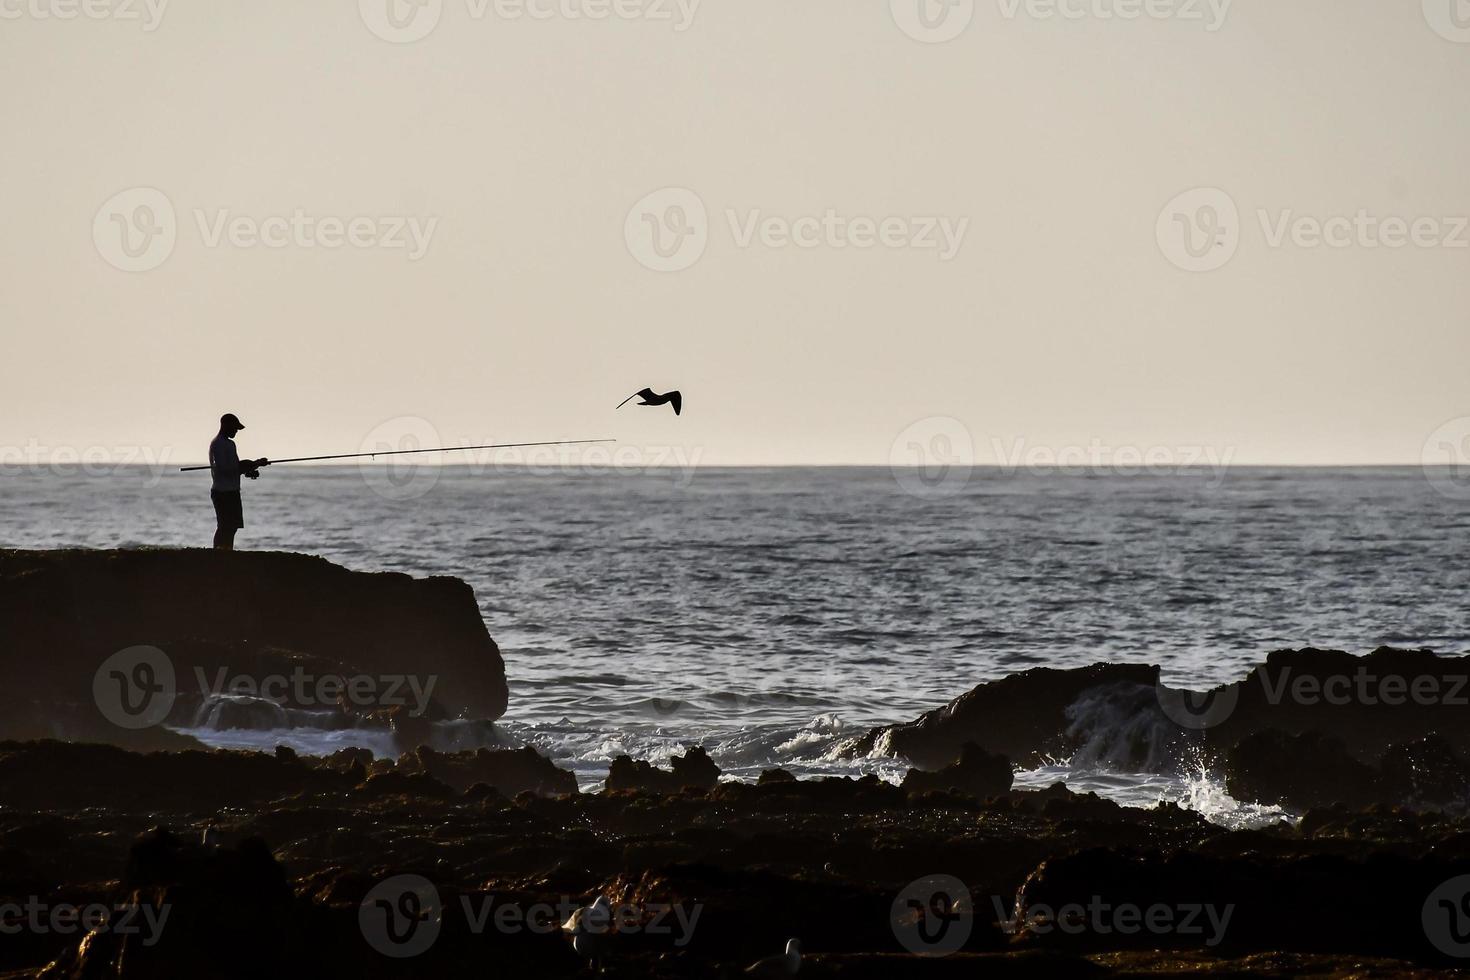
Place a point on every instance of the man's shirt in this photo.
(224, 464)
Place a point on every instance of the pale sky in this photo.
(521, 145)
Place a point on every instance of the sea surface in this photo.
(767, 614)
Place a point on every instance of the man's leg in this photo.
(228, 520)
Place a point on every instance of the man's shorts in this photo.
(228, 509)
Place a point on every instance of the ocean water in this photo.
(770, 613)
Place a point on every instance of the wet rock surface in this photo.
(1307, 728)
(692, 770)
(302, 867)
(976, 772)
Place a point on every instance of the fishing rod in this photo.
(403, 452)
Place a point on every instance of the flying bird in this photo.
(651, 397)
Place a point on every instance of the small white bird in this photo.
(784, 965)
(589, 928)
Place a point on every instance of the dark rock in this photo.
(1057, 802)
(51, 775)
(769, 776)
(693, 770)
(413, 785)
(976, 772)
(484, 793)
(222, 616)
(1020, 716)
(1388, 697)
(1427, 770)
(1235, 902)
(410, 731)
(831, 794)
(1306, 770)
(198, 912)
(826, 860)
(731, 922)
(510, 771)
(352, 763)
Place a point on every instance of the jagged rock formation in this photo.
(258, 888)
(417, 645)
(1306, 728)
(692, 770)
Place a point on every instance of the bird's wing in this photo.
(646, 394)
(677, 400)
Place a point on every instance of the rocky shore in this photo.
(128, 850)
(249, 864)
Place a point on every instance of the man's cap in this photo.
(230, 418)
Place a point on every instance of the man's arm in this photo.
(229, 464)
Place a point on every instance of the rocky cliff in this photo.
(112, 645)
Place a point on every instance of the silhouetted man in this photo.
(226, 467)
